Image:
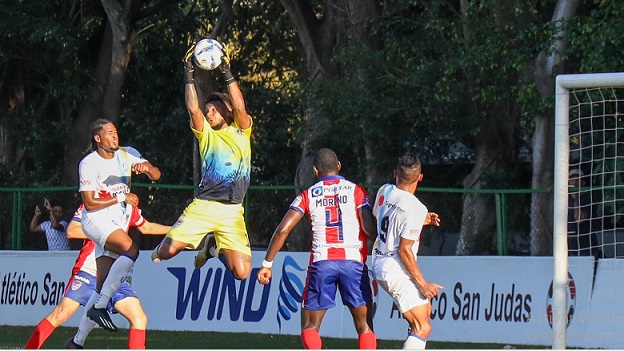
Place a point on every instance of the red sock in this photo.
(311, 339)
(367, 341)
(136, 339)
(39, 335)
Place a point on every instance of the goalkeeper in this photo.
(214, 220)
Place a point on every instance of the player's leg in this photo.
(310, 325)
(231, 238)
(237, 262)
(187, 232)
(419, 321)
(167, 249)
(61, 313)
(127, 303)
(111, 272)
(355, 290)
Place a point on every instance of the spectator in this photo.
(54, 228)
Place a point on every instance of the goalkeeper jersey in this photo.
(226, 162)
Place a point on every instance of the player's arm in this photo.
(192, 105)
(152, 172)
(291, 218)
(190, 93)
(92, 203)
(369, 224)
(149, 228)
(239, 110)
(411, 266)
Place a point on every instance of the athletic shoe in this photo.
(155, 257)
(70, 344)
(207, 252)
(101, 317)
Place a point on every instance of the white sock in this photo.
(86, 324)
(118, 271)
(414, 342)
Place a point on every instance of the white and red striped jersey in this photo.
(332, 205)
(86, 256)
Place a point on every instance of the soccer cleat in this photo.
(101, 317)
(207, 252)
(155, 257)
(70, 344)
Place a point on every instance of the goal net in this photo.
(588, 177)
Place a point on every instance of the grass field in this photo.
(12, 337)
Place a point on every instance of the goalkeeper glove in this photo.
(189, 69)
(224, 67)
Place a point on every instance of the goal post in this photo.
(597, 95)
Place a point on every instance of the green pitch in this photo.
(12, 337)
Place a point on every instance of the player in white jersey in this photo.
(341, 222)
(82, 284)
(105, 175)
(400, 218)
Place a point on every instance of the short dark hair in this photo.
(96, 127)
(222, 102)
(325, 161)
(408, 167)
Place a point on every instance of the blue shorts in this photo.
(351, 278)
(82, 286)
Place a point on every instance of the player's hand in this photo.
(432, 218)
(37, 211)
(132, 199)
(189, 67)
(225, 58)
(190, 51)
(264, 275)
(430, 290)
(141, 168)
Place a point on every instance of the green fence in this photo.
(265, 207)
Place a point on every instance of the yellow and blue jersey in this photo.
(226, 162)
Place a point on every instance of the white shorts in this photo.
(99, 225)
(394, 279)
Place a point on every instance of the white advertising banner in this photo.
(490, 299)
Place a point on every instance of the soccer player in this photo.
(82, 284)
(400, 218)
(341, 221)
(105, 174)
(223, 130)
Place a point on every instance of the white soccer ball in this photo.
(207, 54)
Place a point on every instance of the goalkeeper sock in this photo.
(118, 271)
(40, 335)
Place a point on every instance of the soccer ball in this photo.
(207, 54)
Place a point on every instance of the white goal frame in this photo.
(560, 206)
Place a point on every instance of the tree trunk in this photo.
(496, 156)
(105, 98)
(547, 67)
(343, 22)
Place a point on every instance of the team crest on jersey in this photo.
(318, 191)
(76, 284)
